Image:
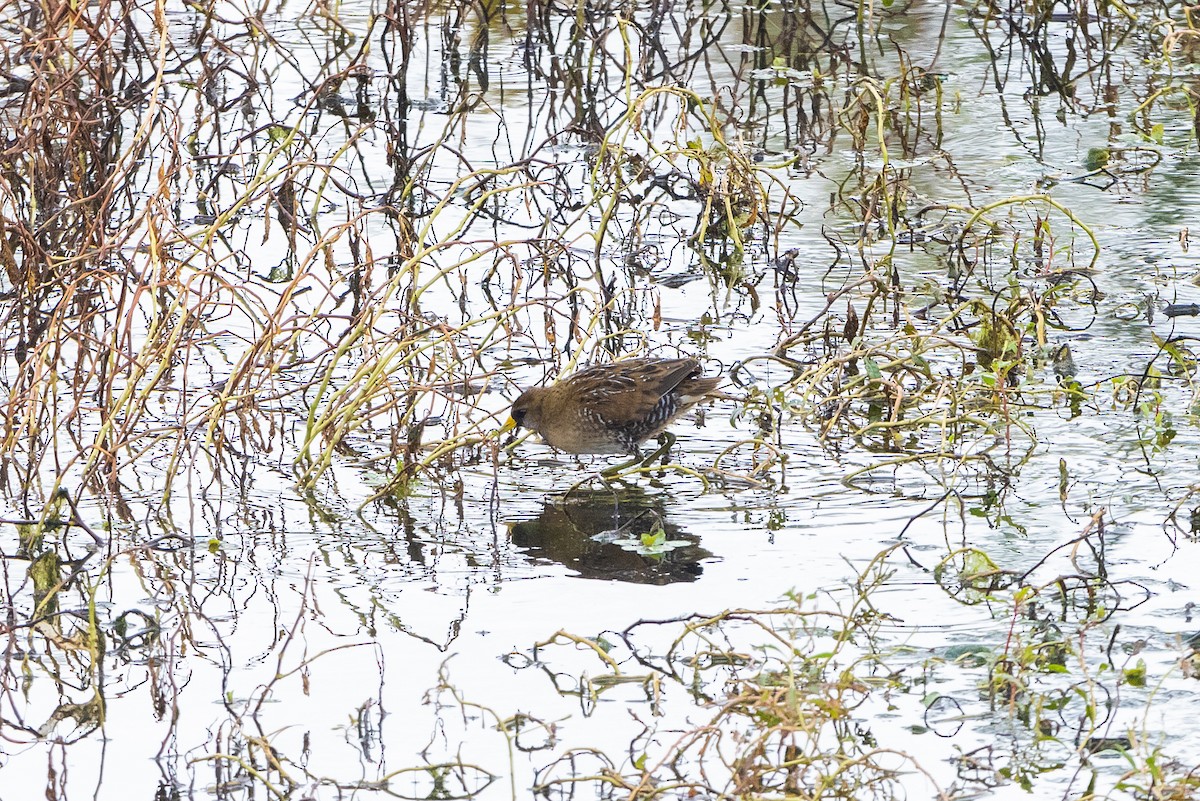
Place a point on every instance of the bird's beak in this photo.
(509, 425)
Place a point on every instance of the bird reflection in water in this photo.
(630, 541)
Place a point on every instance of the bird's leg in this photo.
(665, 440)
(609, 472)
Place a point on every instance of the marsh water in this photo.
(274, 273)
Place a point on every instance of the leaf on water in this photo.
(977, 563)
(45, 572)
(1136, 675)
(654, 538)
(969, 654)
(1096, 159)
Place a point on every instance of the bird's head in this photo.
(526, 410)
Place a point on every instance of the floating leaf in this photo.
(1096, 159)
(1136, 675)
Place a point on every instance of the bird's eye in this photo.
(519, 416)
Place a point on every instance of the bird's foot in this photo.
(665, 440)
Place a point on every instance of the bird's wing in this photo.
(637, 387)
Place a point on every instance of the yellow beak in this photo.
(509, 425)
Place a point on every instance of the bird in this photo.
(614, 408)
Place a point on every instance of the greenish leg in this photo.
(609, 472)
(665, 440)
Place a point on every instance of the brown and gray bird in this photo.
(613, 408)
